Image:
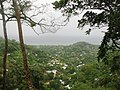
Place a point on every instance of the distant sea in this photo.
(59, 40)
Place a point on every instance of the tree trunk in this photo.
(6, 46)
(24, 55)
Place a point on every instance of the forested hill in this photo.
(72, 67)
(77, 51)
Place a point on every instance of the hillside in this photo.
(72, 67)
(80, 51)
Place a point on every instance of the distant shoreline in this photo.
(59, 40)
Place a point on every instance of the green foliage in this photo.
(109, 15)
(71, 67)
(25, 5)
(59, 4)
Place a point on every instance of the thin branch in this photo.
(117, 45)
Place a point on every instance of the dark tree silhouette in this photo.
(6, 45)
(107, 14)
(26, 70)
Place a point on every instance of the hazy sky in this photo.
(65, 35)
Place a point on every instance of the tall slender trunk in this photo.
(26, 70)
(6, 46)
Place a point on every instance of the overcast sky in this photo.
(65, 35)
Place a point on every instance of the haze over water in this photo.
(60, 40)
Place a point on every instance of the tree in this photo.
(12, 14)
(6, 45)
(109, 16)
(17, 14)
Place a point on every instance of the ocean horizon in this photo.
(59, 40)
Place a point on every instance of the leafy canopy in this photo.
(109, 15)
